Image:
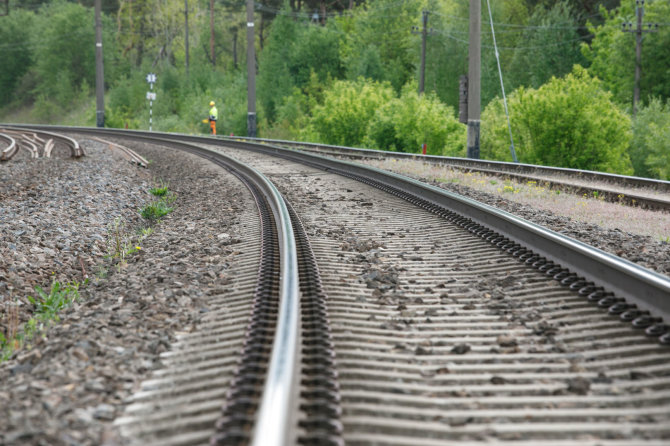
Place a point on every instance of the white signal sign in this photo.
(151, 78)
(151, 96)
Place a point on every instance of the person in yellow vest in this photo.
(213, 116)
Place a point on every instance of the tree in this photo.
(650, 149)
(15, 52)
(274, 76)
(294, 50)
(64, 55)
(569, 122)
(382, 29)
(611, 53)
(550, 46)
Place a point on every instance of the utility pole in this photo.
(628, 28)
(99, 72)
(186, 27)
(424, 33)
(251, 72)
(211, 32)
(474, 78)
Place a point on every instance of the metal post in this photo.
(211, 32)
(639, 10)
(186, 28)
(639, 30)
(424, 34)
(151, 107)
(99, 71)
(251, 72)
(474, 79)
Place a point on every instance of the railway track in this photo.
(628, 190)
(450, 323)
(38, 144)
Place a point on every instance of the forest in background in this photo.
(346, 72)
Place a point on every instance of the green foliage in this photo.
(650, 148)
(347, 110)
(295, 50)
(61, 63)
(47, 304)
(553, 46)
(612, 52)
(159, 191)
(569, 122)
(381, 27)
(15, 52)
(405, 123)
(156, 210)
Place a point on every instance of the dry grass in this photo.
(587, 209)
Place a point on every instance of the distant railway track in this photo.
(449, 321)
(633, 191)
(39, 144)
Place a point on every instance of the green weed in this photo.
(59, 296)
(156, 210)
(46, 307)
(159, 191)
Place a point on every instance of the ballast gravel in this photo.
(58, 219)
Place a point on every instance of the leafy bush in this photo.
(569, 122)
(407, 122)
(347, 109)
(650, 149)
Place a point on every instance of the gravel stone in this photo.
(57, 216)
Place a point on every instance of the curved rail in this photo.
(12, 148)
(558, 176)
(75, 150)
(660, 185)
(274, 416)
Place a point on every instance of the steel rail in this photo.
(647, 289)
(9, 151)
(278, 400)
(75, 150)
(496, 166)
(517, 171)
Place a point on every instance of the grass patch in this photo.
(156, 210)
(159, 191)
(47, 304)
